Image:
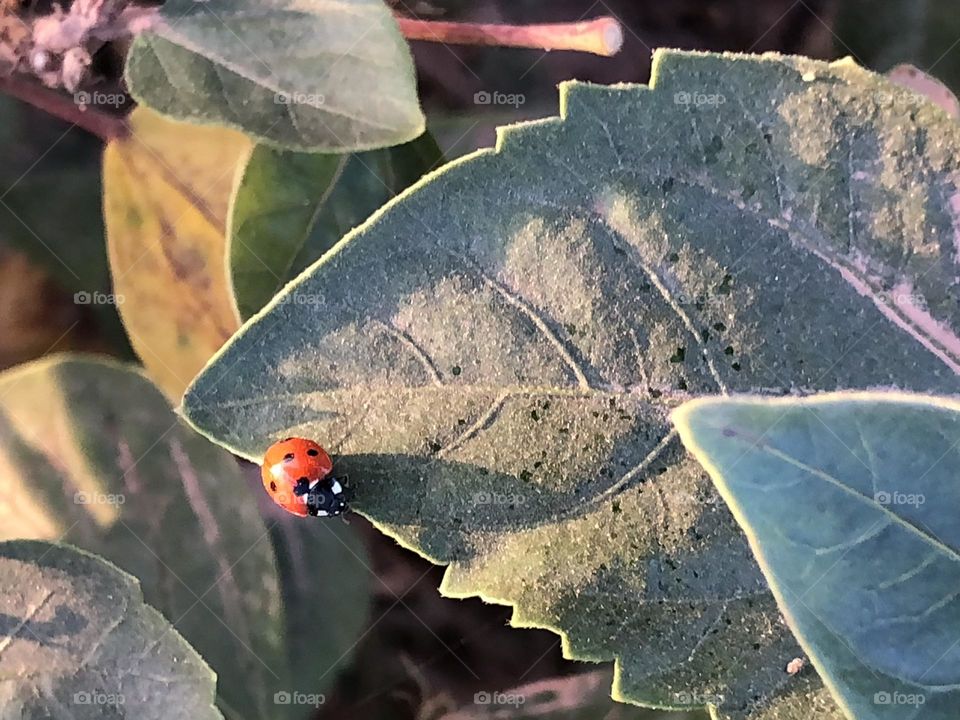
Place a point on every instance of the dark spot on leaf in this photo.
(719, 327)
(667, 185)
(728, 432)
(682, 384)
(616, 506)
(526, 475)
(728, 350)
(736, 366)
(435, 446)
(679, 355)
(654, 393)
(673, 257)
(456, 370)
(713, 148)
(704, 335)
(725, 285)
(535, 415)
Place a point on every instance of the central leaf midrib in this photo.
(628, 391)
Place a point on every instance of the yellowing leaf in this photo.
(167, 187)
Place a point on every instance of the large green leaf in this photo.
(850, 503)
(289, 208)
(79, 642)
(884, 33)
(495, 353)
(307, 74)
(91, 453)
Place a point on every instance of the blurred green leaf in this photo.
(290, 208)
(850, 503)
(80, 642)
(90, 452)
(325, 577)
(307, 75)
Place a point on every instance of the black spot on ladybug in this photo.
(313, 452)
(273, 486)
(288, 457)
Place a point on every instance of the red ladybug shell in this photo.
(285, 463)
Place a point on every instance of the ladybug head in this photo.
(326, 498)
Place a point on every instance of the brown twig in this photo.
(104, 126)
(601, 36)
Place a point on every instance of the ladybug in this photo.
(296, 475)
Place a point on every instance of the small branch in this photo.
(601, 36)
(104, 126)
